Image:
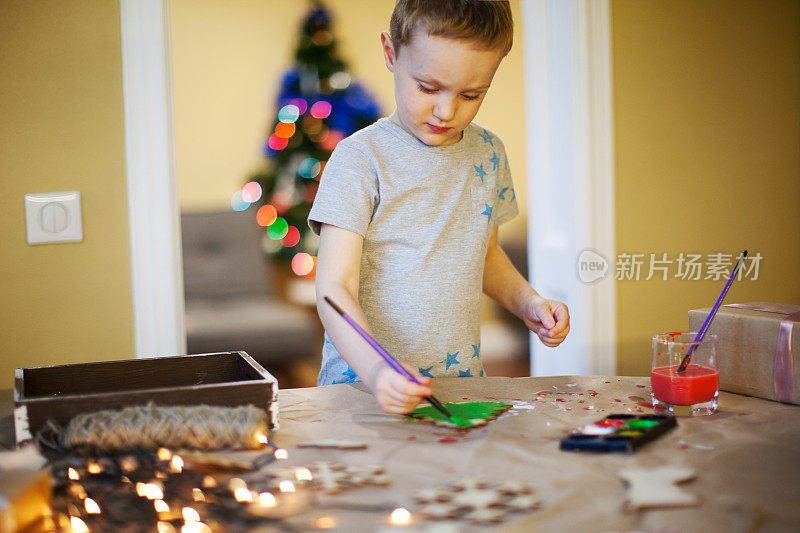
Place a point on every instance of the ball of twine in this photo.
(202, 427)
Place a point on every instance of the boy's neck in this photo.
(396, 119)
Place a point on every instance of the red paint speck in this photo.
(561, 400)
(645, 404)
(465, 398)
(448, 440)
(609, 423)
(581, 401)
(591, 393)
(617, 400)
(568, 409)
(522, 435)
(607, 382)
(683, 447)
(641, 386)
(744, 413)
(412, 437)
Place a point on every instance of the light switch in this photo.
(53, 217)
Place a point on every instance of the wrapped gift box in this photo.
(758, 348)
(25, 489)
(24, 500)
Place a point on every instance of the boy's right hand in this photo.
(395, 393)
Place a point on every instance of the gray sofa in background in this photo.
(231, 298)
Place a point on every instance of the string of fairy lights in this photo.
(143, 490)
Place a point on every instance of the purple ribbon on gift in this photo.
(783, 369)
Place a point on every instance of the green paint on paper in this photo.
(471, 413)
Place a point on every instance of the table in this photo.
(747, 455)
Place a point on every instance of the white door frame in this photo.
(569, 130)
(153, 209)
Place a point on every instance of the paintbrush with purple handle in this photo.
(710, 317)
(397, 367)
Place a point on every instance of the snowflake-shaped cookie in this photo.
(336, 477)
(476, 501)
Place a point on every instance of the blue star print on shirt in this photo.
(495, 160)
(349, 375)
(513, 195)
(487, 137)
(465, 373)
(479, 172)
(502, 193)
(487, 212)
(451, 360)
(481, 374)
(476, 351)
(426, 371)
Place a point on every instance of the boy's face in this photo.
(439, 84)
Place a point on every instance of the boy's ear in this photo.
(388, 50)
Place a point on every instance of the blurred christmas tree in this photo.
(318, 105)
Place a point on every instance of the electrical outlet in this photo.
(53, 217)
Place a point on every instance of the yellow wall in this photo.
(228, 59)
(707, 120)
(62, 129)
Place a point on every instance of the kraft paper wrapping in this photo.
(746, 456)
(747, 340)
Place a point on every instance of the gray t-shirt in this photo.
(426, 214)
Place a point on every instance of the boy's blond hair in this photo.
(487, 23)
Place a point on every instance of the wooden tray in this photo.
(64, 391)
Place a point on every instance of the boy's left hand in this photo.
(549, 319)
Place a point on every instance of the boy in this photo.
(408, 208)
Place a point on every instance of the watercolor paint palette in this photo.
(618, 433)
